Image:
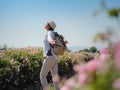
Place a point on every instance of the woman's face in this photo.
(47, 26)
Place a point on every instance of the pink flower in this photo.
(104, 55)
(1, 51)
(117, 54)
(104, 51)
(84, 70)
(80, 68)
(65, 88)
(117, 59)
(116, 84)
(34, 51)
(82, 78)
(68, 85)
(93, 65)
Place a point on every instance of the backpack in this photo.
(60, 47)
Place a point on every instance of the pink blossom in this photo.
(104, 55)
(65, 88)
(80, 68)
(82, 78)
(1, 51)
(116, 84)
(117, 55)
(117, 59)
(82, 73)
(68, 85)
(93, 65)
(85, 69)
(104, 51)
(34, 51)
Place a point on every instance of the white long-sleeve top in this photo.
(48, 38)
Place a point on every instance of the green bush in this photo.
(93, 49)
(20, 68)
(65, 66)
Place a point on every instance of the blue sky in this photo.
(22, 21)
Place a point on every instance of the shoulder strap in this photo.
(56, 34)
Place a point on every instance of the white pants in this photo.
(50, 64)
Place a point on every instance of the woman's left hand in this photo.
(66, 42)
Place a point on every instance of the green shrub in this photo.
(20, 68)
(65, 66)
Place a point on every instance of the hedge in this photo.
(20, 68)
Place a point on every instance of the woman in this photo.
(50, 59)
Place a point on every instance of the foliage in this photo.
(20, 67)
(103, 72)
(114, 12)
(92, 49)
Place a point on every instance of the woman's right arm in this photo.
(51, 38)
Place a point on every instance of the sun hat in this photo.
(52, 24)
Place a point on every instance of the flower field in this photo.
(20, 67)
(100, 73)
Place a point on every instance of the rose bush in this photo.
(101, 73)
(20, 67)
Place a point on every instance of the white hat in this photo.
(52, 24)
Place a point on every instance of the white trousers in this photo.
(50, 64)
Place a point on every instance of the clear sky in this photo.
(22, 21)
